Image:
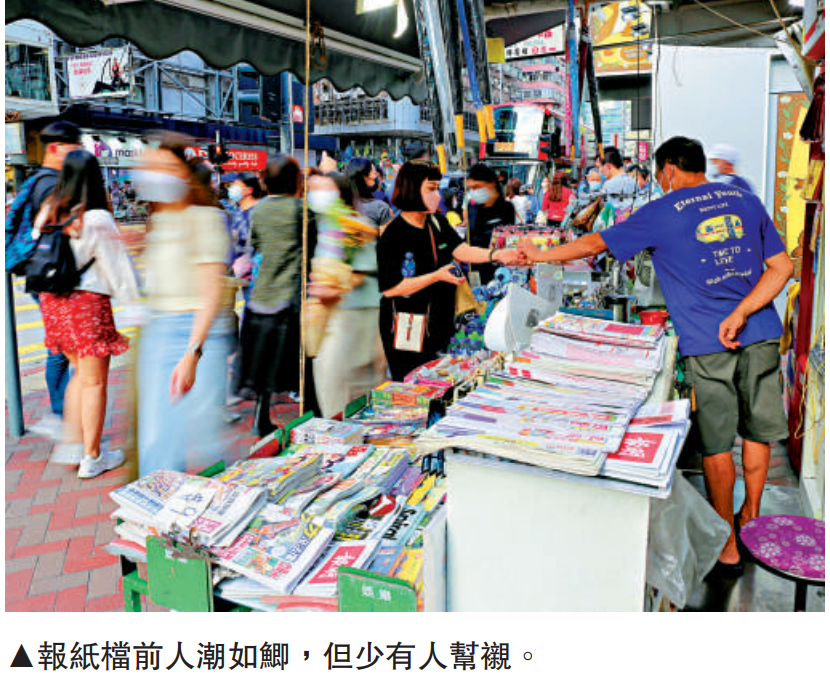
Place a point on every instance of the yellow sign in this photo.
(620, 23)
(505, 146)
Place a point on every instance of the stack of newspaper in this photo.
(186, 507)
(651, 445)
(566, 403)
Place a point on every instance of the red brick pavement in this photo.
(57, 524)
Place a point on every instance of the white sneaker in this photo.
(67, 454)
(51, 426)
(106, 461)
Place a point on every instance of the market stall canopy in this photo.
(368, 43)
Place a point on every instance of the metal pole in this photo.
(14, 397)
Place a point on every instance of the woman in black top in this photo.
(416, 274)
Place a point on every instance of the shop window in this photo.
(27, 72)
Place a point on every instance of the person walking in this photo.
(269, 341)
(364, 179)
(720, 262)
(183, 350)
(80, 324)
(724, 158)
(58, 139)
(350, 361)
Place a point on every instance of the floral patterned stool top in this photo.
(793, 545)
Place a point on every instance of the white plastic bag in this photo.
(685, 539)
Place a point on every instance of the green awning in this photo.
(361, 49)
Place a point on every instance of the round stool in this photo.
(791, 547)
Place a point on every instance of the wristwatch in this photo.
(195, 349)
(493, 252)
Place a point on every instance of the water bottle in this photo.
(408, 268)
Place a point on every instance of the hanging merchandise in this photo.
(434, 56)
(573, 67)
(472, 67)
(476, 20)
(452, 43)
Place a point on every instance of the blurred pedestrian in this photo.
(724, 158)
(350, 361)
(533, 204)
(270, 325)
(364, 179)
(183, 351)
(80, 324)
(520, 202)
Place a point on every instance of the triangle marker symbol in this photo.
(21, 659)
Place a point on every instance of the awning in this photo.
(361, 49)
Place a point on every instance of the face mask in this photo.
(594, 186)
(235, 194)
(321, 201)
(480, 196)
(159, 187)
(712, 172)
(432, 200)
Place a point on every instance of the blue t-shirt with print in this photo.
(708, 244)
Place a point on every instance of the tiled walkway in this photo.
(57, 524)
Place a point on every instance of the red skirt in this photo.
(81, 323)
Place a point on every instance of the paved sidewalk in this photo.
(58, 524)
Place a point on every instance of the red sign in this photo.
(297, 114)
(246, 160)
(642, 151)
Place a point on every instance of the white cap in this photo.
(725, 152)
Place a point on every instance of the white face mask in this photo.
(159, 187)
(432, 201)
(481, 196)
(321, 201)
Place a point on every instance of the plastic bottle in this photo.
(408, 268)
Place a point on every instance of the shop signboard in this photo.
(546, 43)
(642, 151)
(105, 73)
(114, 151)
(616, 29)
(246, 160)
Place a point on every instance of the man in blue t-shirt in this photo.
(720, 263)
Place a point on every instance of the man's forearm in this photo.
(768, 287)
(584, 247)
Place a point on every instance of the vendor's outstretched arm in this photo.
(584, 247)
(775, 277)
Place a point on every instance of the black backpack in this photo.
(52, 268)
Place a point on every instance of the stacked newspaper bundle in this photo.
(280, 476)
(566, 403)
(383, 423)
(602, 331)
(322, 430)
(186, 507)
(651, 445)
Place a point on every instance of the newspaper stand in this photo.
(560, 542)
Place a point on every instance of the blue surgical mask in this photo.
(235, 194)
(594, 186)
(481, 196)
